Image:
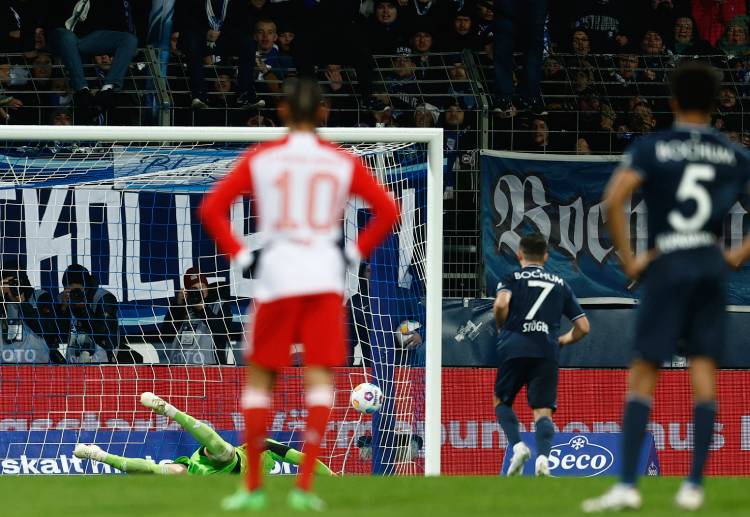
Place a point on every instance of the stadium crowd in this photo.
(569, 76)
(588, 74)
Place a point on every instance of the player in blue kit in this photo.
(528, 307)
(690, 176)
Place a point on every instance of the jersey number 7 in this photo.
(546, 289)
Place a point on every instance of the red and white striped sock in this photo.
(255, 406)
(319, 402)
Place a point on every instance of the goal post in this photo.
(431, 138)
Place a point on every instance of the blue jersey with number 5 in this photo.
(692, 175)
(538, 301)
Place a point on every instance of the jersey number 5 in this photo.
(546, 289)
(690, 189)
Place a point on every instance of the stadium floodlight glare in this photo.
(126, 159)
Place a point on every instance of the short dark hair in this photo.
(695, 86)
(303, 96)
(534, 245)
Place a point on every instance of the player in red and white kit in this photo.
(300, 185)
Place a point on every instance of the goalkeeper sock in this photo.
(634, 424)
(704, 415)
(255, 404)
(509, 422)
(545, 430)
(319, 402)
(207, 437)
(132, 465)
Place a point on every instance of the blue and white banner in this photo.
(51, 451)
(560, 196)
(128, 214)
(587, 455)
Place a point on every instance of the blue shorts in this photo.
(538, 374)
(683, 307)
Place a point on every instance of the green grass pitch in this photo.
(359, 496)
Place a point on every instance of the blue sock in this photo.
(704, 415)
(545, 430)
(634, 428)
(509, 422)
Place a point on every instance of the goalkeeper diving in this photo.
(214, 456)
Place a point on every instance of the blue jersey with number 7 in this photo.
(538, 301)
(692, 175)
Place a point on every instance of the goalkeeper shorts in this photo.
(316, 321)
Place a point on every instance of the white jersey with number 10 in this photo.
(300, 185)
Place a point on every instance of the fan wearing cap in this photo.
(403, 90)
(27, 323)
(197, 326)
(87, 318)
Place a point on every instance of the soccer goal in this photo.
(120, 202)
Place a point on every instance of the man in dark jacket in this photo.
(198, 325)
(90, 27)
(217, 28)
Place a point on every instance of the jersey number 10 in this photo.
(690, 189)
(319, 187)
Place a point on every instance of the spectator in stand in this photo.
(735, 42)
(38, 99)
(580, 43)
(582, 146)
(27, 322)
(712, 16)
(435, 13)
(385, 32)
(485, 22)
(607, 23)
(729, 110)
(555, 85)
(87, 318)
(525, 19)
(537, 136)
(125, 102)
(686, 41)
(642, 119)
(460, 142)
(583, 79)
(460, 87)
(270, 64)
(403, 89)
(622, 83)
(216, 28)
(426, 115)
(462, 33)
(661, 16)
(602, 137)
(422, 45)
(220, 98)
(285, 43)
(198, 324)
(342, 103)
(654, 63)
(61, 117)
(89, 27)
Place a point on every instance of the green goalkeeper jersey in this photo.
(201, 465)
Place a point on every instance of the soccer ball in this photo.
(366, 398)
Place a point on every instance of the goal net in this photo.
(107, 271)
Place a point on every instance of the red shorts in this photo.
(316, 321)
